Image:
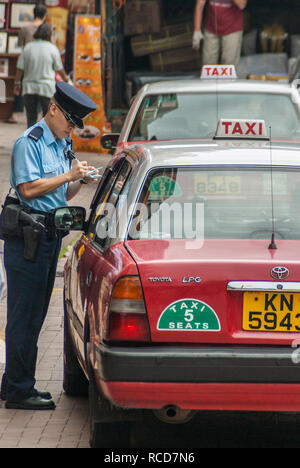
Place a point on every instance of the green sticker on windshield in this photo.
(189, 314)
(164, 187)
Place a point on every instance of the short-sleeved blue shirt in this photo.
(44, 158)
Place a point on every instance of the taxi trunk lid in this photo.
(207, 293)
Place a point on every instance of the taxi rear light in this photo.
(128, 327)
(128, 287)
(127, 314)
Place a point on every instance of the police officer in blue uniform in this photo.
(44, 179)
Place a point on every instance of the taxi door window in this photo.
(104, 215)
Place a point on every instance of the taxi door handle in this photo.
(89, 278)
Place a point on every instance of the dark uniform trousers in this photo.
(29, 288)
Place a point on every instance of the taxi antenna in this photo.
(272, 245)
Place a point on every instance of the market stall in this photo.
(148, 40)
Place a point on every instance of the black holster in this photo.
(32, 237)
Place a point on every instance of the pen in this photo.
(69, 154)
(91, 173)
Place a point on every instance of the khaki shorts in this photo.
(222, 49)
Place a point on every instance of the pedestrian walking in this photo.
(223, 30)
(24, 37)
(43, 179)
(36, 66)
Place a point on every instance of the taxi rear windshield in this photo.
(195, 115)
(189, 203)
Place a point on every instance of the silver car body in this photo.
(217, 87)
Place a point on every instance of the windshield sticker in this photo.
(150, 113)
(163, 187)
(189, 315)
(169, 102)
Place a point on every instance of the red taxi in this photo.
(183, 292)
(185, 109)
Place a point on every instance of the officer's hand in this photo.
(197, 36)
(78, 171)
(92, 175)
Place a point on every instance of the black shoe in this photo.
(45, 395)
(31, 403)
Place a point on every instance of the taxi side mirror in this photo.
(109, 141)
(69, 218)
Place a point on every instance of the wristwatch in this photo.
(82, 181)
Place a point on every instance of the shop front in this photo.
(150, 40)
(112, 47)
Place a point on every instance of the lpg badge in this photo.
(189, 315)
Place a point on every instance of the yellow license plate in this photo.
(271, 311)
(206, 184)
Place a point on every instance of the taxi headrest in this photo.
(242, 129)
(221, 72)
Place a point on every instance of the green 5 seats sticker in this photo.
(189, 314)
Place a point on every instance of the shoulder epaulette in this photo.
(36, 133)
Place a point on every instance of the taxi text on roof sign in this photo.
(245, 129)
(218, 71)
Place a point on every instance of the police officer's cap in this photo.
(74, 102)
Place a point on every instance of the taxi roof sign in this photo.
(222, 72)
(241, 129)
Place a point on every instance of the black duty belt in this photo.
(43, 217)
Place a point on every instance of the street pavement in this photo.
(68, 425)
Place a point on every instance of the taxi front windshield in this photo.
(195, 115)
(235, 203)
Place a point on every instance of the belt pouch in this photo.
(10, 221)
(32, 237)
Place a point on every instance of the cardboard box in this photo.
(142, 17)
(170, 37)
(176, 60)
(268, 77)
